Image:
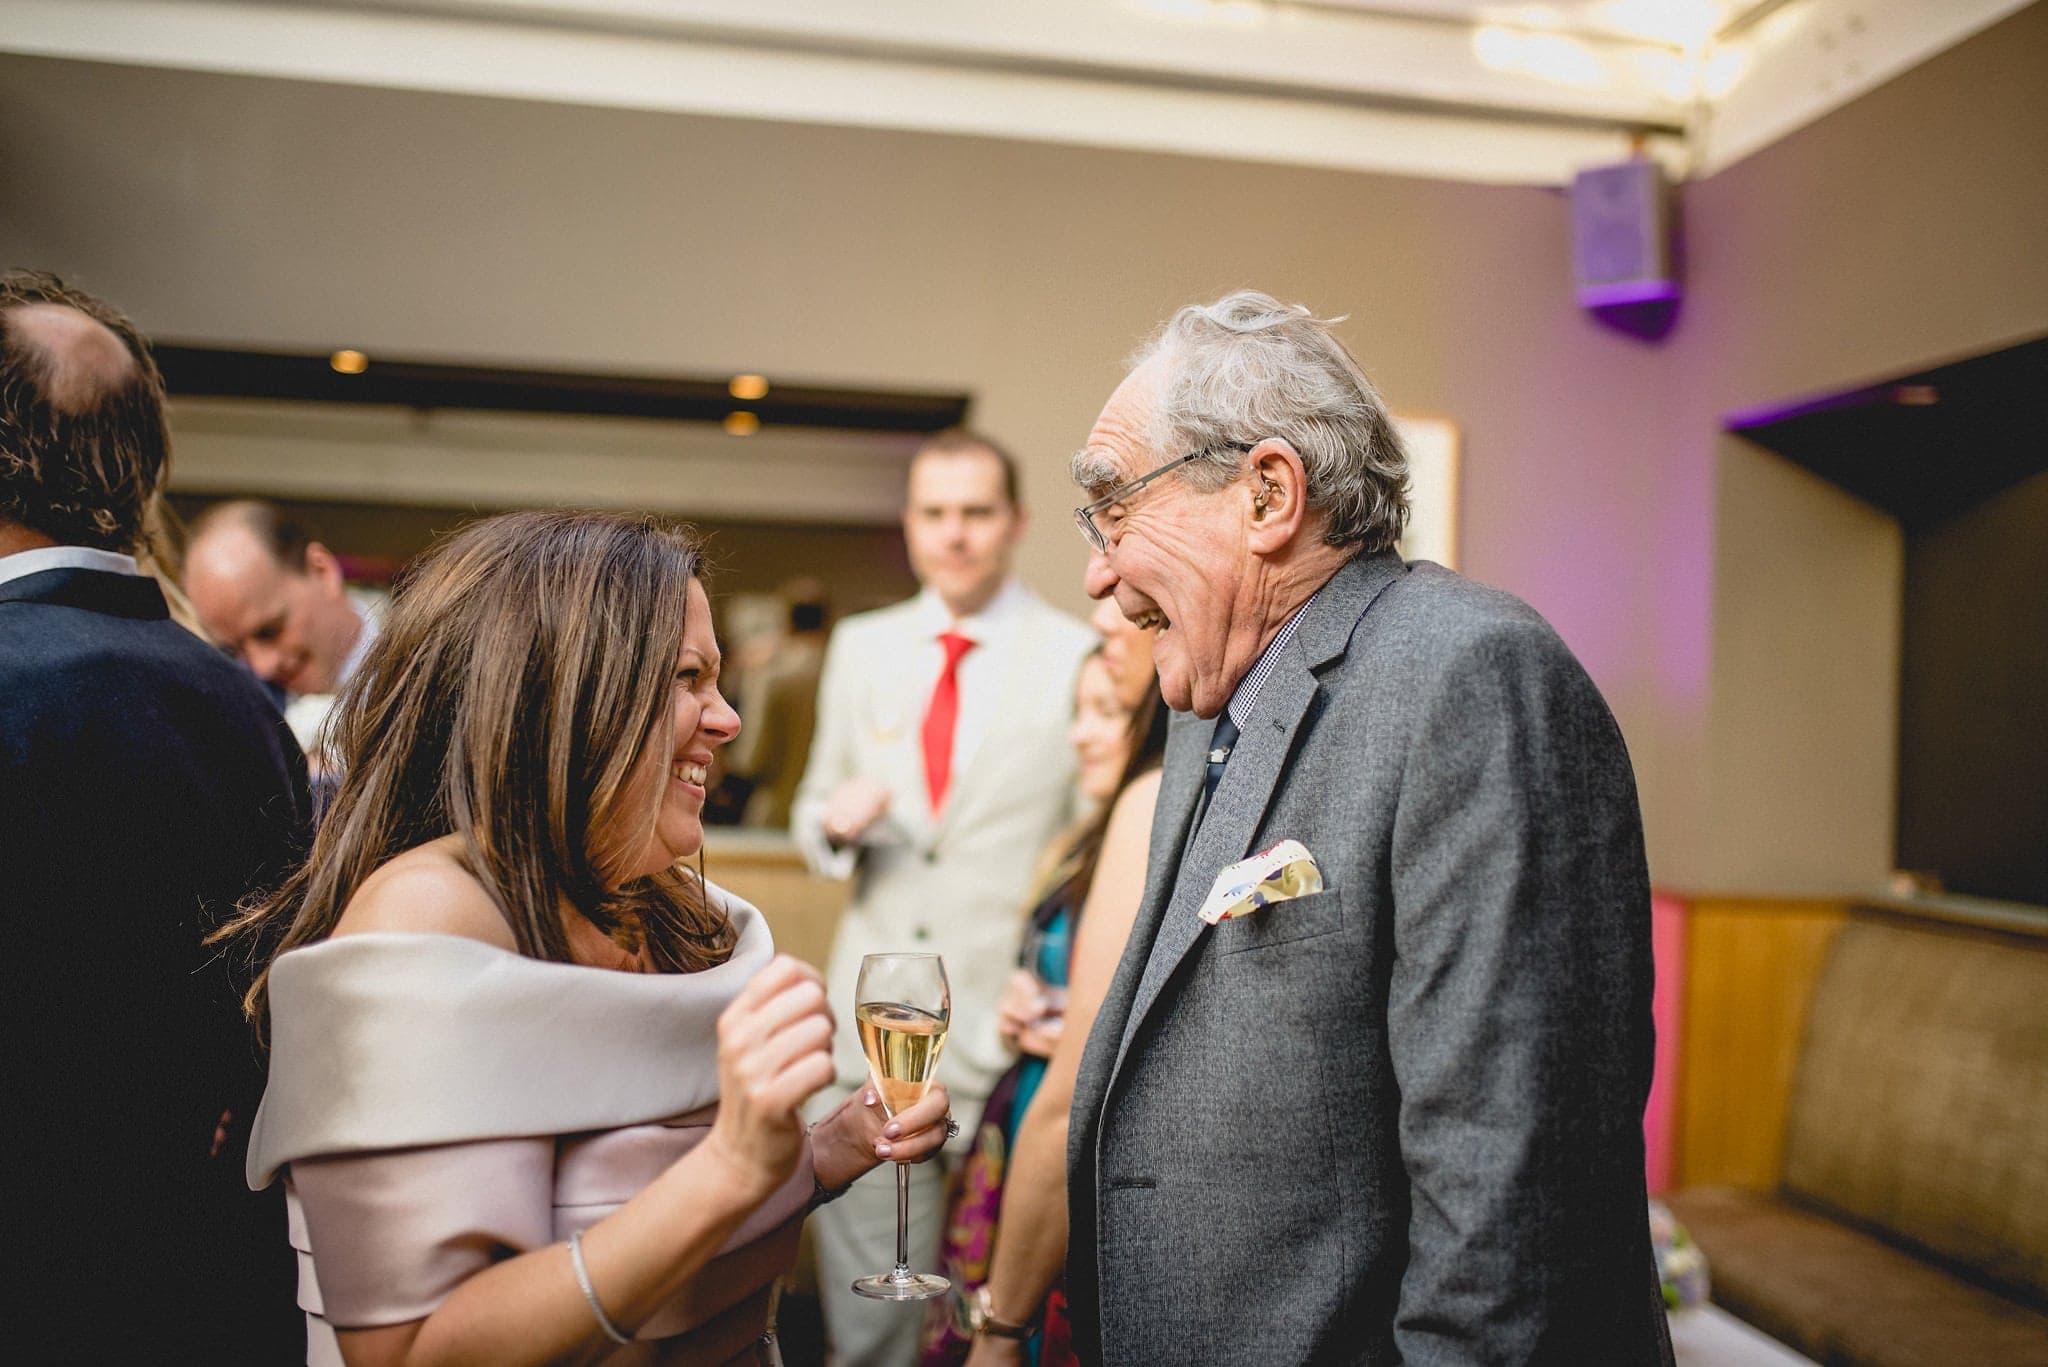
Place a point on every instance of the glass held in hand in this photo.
(1045, 952)
(902, 1005)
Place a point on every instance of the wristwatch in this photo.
(982, 1320)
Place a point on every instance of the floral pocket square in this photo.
(1280, 874)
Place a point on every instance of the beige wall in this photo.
(302, 215)
(1802, 734)
(1897, 230)
(1902, 231)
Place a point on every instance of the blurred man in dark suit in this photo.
(146, 786)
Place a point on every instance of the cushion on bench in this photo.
(1841, 1296)
(1920, 1109)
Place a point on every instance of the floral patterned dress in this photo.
(974, 1209)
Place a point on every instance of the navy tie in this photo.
(1220, 743)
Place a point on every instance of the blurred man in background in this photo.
(146, 786)
(779, 699)
(273, 597)
(938, 773)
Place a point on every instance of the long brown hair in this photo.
(1071, 878)
(527, 661)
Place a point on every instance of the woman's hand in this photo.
(1027, 1017)
(774, 1052)
(858, 1135)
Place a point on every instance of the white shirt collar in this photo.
(365, 638)
(933, 617)
(24, 563)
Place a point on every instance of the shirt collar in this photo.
(365, 638)
(24, 563)
(1247, 694)
(933, 618)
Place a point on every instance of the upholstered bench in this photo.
(1910, 1223)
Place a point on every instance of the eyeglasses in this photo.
(1084, 518)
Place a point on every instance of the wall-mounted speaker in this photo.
(1622, 233)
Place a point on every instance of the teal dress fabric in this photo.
(1055, 945)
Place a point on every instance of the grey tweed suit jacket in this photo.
(1400, 1120)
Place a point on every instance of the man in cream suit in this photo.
(1397, 1119)
(938, 773)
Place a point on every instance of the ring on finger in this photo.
(952, 1129)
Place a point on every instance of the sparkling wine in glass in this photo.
(902, 1005)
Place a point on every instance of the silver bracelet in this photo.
(604, 1321)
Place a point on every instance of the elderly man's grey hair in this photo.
(1249, 367)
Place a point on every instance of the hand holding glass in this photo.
(1041, 945)
(902, 1005)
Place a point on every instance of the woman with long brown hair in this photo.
(1006, 1236)
(534, 1084)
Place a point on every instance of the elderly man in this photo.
(1396, 1120)
(273, 597)
(146, 786)
(938, 773)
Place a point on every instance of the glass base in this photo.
(911, 1286)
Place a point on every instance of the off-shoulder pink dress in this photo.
(437, 1105)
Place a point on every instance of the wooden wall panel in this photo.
(1750, 970)
(802, 910)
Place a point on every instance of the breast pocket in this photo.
(885, 716)
(1282, 923)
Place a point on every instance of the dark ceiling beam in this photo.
(218, 372)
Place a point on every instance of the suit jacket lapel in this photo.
(974, 782)
(887, 720)
(1168, 919)
(1180, 787)
(1227, 828)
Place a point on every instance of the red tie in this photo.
(939, 718)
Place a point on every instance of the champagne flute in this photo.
(1052, 997)
(902, 1004)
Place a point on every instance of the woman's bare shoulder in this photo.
(426, 891)
(1135, 803)
(1120, 871)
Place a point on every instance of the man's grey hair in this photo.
(1249, 367)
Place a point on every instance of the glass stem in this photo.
(902, 1222)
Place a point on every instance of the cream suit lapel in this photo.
(891, 749)
(1023, 691)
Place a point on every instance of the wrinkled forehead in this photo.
(1121, 446)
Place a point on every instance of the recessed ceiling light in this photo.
(748, 387)
(349, 362)
(741, 423)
